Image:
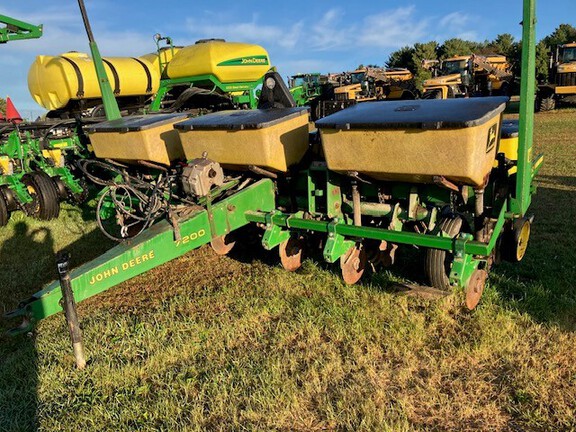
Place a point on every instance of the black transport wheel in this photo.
(547, 104)
(45, 204)
(4, 213)
(439, 262)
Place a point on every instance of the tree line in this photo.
(411, 57)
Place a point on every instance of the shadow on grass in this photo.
(27, 262)
(542, 285)
(18, 359)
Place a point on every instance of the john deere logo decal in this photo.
(491, 139)
(259, 60)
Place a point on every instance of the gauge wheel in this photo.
(4, 213)
(438, 261)
(515, 241)
(44, 204)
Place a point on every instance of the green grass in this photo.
(212, 343)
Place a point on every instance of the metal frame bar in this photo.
(521, 202)
(351, 231)
(18, 30)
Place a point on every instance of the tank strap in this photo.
(148, 75)
(80, 92)
(116, 77)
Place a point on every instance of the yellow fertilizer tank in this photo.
(273, 138)
(136, 138)
(55, 81)
(227, 61)
(166, 55)
(415, 141)
(509, 142)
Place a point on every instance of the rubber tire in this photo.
(547, 104)
(4, 213)
(46, 205)
(438, 261)
(511, 238)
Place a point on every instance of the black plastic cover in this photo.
(416, 114)
(135, 123)
(510, 129)
(242, 119)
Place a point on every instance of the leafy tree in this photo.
(542, 61)
(458, 47)
(402, 58)
(423, 51)
(503, 44)
(3, 106)
(564, 33)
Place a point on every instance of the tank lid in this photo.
(242, 119)
(201, 41)
(510, 129)
(416, 114)
(135, 123)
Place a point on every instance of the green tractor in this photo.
(309, 89)
(305, 87)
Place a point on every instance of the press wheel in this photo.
(439, 261)
(353, 264)
(515, 241)
(291, 253)
(222, 245)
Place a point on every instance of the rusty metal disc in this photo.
(353, 264)
(291, 253)
(222, 244)
(475, 288)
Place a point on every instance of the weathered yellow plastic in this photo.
(160, 144)
(276, 147)
(414, 155)
(228, 61)
(53, 81)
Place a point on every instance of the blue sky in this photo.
(300, 36)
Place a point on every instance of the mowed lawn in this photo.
(234, 343)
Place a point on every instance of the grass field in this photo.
(211, 343)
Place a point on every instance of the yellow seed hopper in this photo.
(414, 141)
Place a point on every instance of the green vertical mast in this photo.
(527, 93)
(109, 101)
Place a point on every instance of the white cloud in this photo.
(392, 29)
(454, 20)
(248, 31)
(329, 33)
